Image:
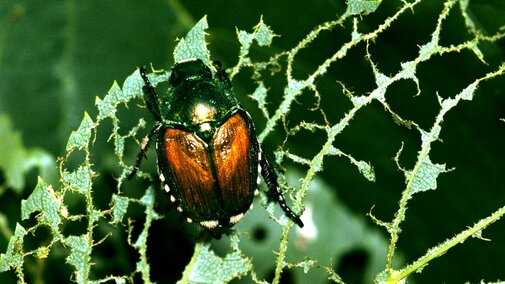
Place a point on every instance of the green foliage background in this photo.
(57, 56)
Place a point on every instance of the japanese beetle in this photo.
(209, 159)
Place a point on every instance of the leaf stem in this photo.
(445, 246)
(280, 263)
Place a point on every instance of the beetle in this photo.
(208, 156)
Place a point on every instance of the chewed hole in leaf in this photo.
(259, 234)
(37, 238)
(352, 266)
(77, 226)
(286, 276)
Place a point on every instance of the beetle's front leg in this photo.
(150, 96)
(271, 180)
(144, 146)
(221, 74)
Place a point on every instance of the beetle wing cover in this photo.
(216, 181)
(236, 166)
(191, 173)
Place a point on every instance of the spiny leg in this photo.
(150, 95)
(144, 146)
(271, 180)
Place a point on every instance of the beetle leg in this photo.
(144, 146)
(271, 180)
(150, 96)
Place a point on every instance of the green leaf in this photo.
(363, 7)
(79, 256)
(107, 106)
(13, 257)
(132, 88)
(16, 160)
(43, 200)
(425, 176)
(148, 201)
(119, 207)
(79, 180)
(366, 170)
(80, 139)
(245, 40)
(260, 95)
(210, 268)
(194, 45)
(263, 34)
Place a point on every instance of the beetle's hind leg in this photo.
(144, 146)
(271, 180)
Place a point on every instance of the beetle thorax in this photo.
(202, 113)
(204, 116)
